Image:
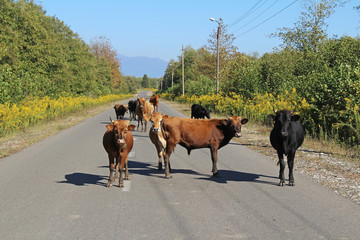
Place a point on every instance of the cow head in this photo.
(116, 107)
(141, 102)
(120, 128)
(234, 124)
(156, 119)
(282, 120)
(205, 112)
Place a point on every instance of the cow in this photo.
(199, 133)
(198, 111)
(156, 135)
(144, 109)
(286, 136)
(155, 101)
(132, 108)
(118, 142)
(120, 110)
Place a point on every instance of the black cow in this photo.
(198, 111)
(132, 107)
(286, 136)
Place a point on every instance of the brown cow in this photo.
(144, 109)
(156, 135)
(199, 133)
(118, 142)
(120, 110)
(155, 102)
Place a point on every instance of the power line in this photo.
(252, 20)
(266, 19)
(245, 14)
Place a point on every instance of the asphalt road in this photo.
(55, 189)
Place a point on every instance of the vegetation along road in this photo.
(55, 189)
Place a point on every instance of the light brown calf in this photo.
(144, 109)
(118, 142)
(156, 135)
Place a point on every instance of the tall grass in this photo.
(34, 110)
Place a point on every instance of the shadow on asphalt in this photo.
(82, 179)
(146, 169)
(235, 176)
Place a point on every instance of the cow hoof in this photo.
(281, 184)
(109, 184)
(292, 183)
(168, 176)
(160, 167)
(216, 174)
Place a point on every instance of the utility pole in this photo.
(217, 53)
(183, 70)
(217, 59)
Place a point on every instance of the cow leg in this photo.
(282, 167)
(126, 169)
(145, 123)
(137, 129)
(160, 154)
(214, 158)
(120, 168)
(112, 170)
(167, 154)
(290, 160)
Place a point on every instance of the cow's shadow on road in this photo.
(83, 179)
(147, 169)
(226, 176)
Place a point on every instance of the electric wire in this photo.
(265, 20)
(245, 14)
(252, 20)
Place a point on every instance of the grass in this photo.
(21, 139)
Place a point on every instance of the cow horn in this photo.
(112, 121)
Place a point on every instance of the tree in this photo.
(104, 51)
(310, 30)
(145, 81)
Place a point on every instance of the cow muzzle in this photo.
(284, 134)
(156, 130)
(238, 134)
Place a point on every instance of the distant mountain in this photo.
(138, 66)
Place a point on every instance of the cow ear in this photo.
(110, 126)
(272, 117)
(165, 116)
(244, 121)
(295, 118)
(131, 127)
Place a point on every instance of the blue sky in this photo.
(158, 29)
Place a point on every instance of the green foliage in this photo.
(41, 56)
(145, 81)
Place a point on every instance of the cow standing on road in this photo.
(286, 136)
(132, 108)
(144, 109)
(198, 111)
(155, 102)
(156, 135)
(118, 142)
(199, 133)
(120, 110)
